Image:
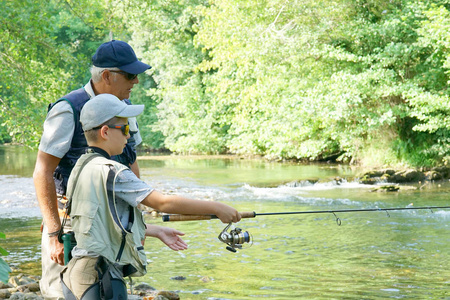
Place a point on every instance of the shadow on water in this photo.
(16, 160)
(23, 242)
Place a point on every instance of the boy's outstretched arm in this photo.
(175, 204)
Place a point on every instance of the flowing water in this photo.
(372, 255)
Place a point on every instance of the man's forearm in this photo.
(45, 189)
(46, 195)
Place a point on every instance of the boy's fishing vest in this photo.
(78, 146)
(95, 221)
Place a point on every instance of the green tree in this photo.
(28, 55)
(352, 80)
(298, 79)
(45, 51)
(163, 35)
(430, 100)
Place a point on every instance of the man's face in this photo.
(122, 85)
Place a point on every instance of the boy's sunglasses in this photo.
(125, 128)
(127, 75)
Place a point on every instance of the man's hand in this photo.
(56, 250)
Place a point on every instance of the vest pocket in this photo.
(82, 221)
(83, 215)
(82, 224)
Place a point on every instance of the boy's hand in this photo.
(227, 214)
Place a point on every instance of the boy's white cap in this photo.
(104, 107)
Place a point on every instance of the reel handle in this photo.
(174, 218)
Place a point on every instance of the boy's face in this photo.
(118, 139)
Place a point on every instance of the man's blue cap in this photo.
(118, 54)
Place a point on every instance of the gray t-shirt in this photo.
(129, 190)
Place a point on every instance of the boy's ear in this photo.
(104, 132)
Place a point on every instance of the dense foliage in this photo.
(352, 80)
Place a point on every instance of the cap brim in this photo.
(136, 67)
(131, 111)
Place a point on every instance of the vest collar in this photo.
(99, 151)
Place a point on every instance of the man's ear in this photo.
(107, 77)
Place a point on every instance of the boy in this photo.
(108, 226)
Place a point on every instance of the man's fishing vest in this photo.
(95, 221)
(78, 146)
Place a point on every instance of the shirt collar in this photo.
(89, 90)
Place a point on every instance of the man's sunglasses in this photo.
(125, 128)
(127, 75)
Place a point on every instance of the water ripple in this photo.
(18, 197)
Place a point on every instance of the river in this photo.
(372, 255)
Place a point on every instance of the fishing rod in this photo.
(236, 237)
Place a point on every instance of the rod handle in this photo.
(175, 218)
(247, 214)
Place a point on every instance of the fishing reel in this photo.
(234, 239)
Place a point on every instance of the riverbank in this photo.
(24, 287)
(405, 176)
(382, 180)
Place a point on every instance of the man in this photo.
(114, 71)
(104, 196)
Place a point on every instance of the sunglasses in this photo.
(125, 128)
(127, 75)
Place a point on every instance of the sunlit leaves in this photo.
(292, 79)
(307, 79)
(41, 61)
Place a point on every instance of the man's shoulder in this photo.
(76, 98)
(76, 93)
(70, 100)
(60, 106)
